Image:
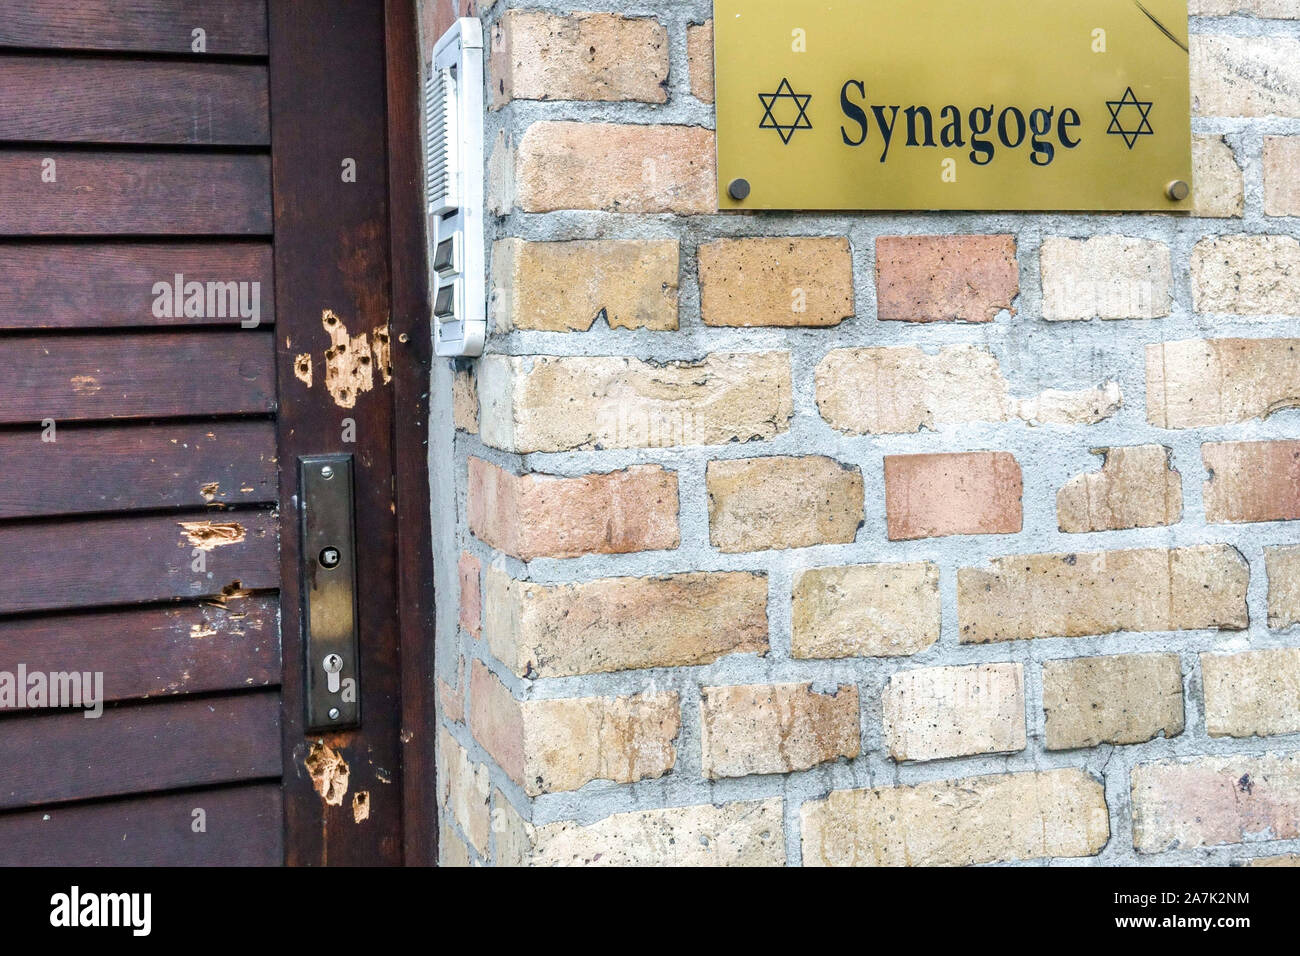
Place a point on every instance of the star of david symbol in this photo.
(1129, 117)
(798, 105)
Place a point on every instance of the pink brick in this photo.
(945, 278)
(929, 496)
(1252, 481)
(471, 593)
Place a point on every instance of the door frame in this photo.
(344, 85)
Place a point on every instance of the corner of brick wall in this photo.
(755, 518)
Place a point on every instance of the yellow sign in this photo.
(951, 104)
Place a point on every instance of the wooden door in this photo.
(151, 153)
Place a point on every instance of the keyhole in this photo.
(333, 664)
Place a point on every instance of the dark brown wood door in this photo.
(195, 290)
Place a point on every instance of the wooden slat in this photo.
(155, 651)
(145, 193)
(165, 26)
(116, 561)
(69, 285)
(50, 758)
(83, 377)
(90, 469)
(58, 99)
(242, 827)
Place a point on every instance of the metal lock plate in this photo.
(330, 645)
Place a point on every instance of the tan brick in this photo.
(760, 503)
(868, 610)
(464, 402)
(1253, 693)
(616, 167)
(585, 56)
(1246, 275)
(930, 496)
(938, 712)
(945, 278)
(1136, 488)
(992, 819)
(1282, 175)
(535, 515)
(877, 391)
(453, 698)
(1199, 382)
(1283, 566)
(1251, 481)
(1287, 859)
(569, 286)
(453, 852)
(776, 728)
(1218, 190)
(1118, 699)
(471, 593)
(1245, 76)
(551, 403)
(1209, 801)
(1107, 277)
(699, 60)
(796, 282)
(615, 624)
(747, 833)
(463, 791)
(1072, 595)
(1273, 9)
(554, 745)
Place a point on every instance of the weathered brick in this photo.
(469, 570)
(992, 819)
(896, 390)
(938, 712)
(868, 610)
(1273, 9)
(568, 286)
(761, 503)
(1136, 487)
(1246, 275)
(1282, 175)
(1245, 76)
(1286, 859)
(535, 515)
(463, 791)
(614, 624)
(464, 401)
(1253, 693)
(1251, 481)
(615, 167)
(1209, 801)
(451, 697)
(748, 833)
(699, 60)
(554, 745)
(930, 496)
(1199, 382)
(1218, 190)
(585, 56)
(1283, 566)
(453, 852)
(1072, 595)
(552, 403)
(776, 728)
(1107, 277)
(1118, 699)
(945, 278)
(795, 282)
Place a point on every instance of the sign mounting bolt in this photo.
(1178, 190)
(739, 189)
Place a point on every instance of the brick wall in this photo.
(867, 539)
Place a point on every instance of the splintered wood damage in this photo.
(361, 806)
(302, 368)
(383, 353)
(206, 535)
(329, 773)
(85, 384)
(209, 490)
(349, 368)
(202, 629)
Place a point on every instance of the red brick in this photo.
(945, 278)
(929, 496)
(1252, 481)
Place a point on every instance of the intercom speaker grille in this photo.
(441, 172)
